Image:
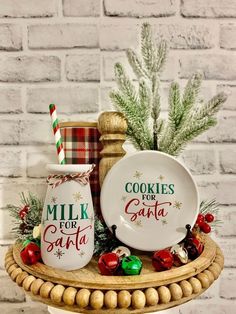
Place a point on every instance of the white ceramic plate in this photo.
(150, 197)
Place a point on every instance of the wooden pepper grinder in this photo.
(112, 125)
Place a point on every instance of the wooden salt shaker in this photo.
(113, 126)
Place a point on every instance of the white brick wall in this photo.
(63, 51)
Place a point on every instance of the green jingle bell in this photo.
(131, 265)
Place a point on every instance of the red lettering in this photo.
(66, 240)
(155, 210)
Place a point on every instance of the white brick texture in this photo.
(10, 37)
(63, 52)
(81, 8)
(29, 69)
(186, 35)
(228, 36)
(230, 90)
(139, 8)
(10, 100)
(123, 36)
(83, 67)
(221, 67)
(27, 8)
(63, 36)
(77, 99)
(208, 8)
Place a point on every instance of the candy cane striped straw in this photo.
(57, 134)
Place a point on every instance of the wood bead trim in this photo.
(122, 301)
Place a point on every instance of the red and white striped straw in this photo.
(57, 134)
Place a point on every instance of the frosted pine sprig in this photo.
(187, 117)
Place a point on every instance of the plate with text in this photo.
(150, 197)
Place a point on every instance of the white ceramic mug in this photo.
(67, 235)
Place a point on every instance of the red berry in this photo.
(200, 217)
(200, 220)
(206, 228)
(23, 212)
(209, 217)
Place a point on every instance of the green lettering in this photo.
(71, 212)
(143, 188)
(171, 187)
(51, 211)
(135, 187)
(163, 189)
(150, 188)
(63, 211)
(84, 208)
(126, 187)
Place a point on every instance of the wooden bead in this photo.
(124, 299)
(218, 251)
(205, 282)
(15, 273)
(9, 259)
(196, 285)
(21, 278)
(152, 297)
(46, 289)
(8, 264)
(27, 282)
(176, 292)
(164, 294)
(97, 299)
(9, 254)
(214, 272)
(82, 298)
(138, 299)
(220, 261)
(217, 267)
(36, 286)
(69, 296)
(186, 288)
(110, 299)
(209, 275)
(11, 268)
(57, 293)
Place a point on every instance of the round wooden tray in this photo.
(85, 290)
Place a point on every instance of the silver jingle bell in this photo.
(122, 251)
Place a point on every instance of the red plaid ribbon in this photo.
(82, 146)
(82, 178)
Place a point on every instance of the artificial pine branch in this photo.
(186, 118)
(104, 241)
(211, 207)
(23, 228)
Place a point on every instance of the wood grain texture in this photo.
(113, 126)
(80, 124)
(148, 292)
(89, 277)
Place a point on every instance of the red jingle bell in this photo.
(194, 248)
(24, 211)
(162, 260)
(108, 264)
(31, 254)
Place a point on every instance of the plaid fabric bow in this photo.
(82, 178)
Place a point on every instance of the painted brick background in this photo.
(63, 51)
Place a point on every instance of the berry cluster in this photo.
(203, 222)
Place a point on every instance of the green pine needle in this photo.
(142, 106)
(32, 218)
